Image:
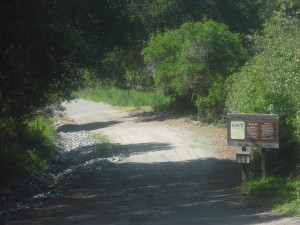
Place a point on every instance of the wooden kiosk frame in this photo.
(252, 130)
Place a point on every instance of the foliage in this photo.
(269, 83)
(113, 67)
(46, 45)
(152, 16)
(47, 50)
(149, 18)
(39, 133)
(268, 7)
(267, 187)
(291, 204)
(211, 107)
(106, 148)
(193, 60)
(162, 56)
(32, 61)
(124, 98)
(283, 194)
(27, 148)
(88, 77)
(33, 161)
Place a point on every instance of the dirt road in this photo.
(173, 175)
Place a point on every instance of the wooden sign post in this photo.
(263, 163)
(253, 130)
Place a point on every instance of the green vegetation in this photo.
(268, 187)
(269, 83)
(124, 98)
(216, 56)
(27, 149)
(106, 148)
(193, 63)
(282, 195)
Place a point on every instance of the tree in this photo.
(186, 62)
(44, 44)
(34, 64)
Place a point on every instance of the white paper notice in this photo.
(238, 130)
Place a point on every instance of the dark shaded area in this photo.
(81, 155)
(22, 190)
(160, 116)
(188, 192)
(159, 193)
(86, 127)
(146, 147)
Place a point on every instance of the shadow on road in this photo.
(191, 192)
(154, 116)
(146, 147)
(86, 127)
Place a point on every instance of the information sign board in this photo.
(254, 130)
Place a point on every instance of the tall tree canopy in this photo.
(44, 43)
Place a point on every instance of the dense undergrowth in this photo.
(37, 158)
(281, 194)
(27, 146)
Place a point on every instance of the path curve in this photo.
(172, 175)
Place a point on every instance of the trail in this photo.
(172, 175)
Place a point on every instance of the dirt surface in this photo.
(176, 172)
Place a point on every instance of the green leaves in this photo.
(269, 83)
(185, 62)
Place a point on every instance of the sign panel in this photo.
(260, 130)
(237, 130)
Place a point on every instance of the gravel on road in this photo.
(175, 172)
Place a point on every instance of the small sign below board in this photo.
(253, 130)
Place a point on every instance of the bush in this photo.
(269, 83)
(194, 59)
(39, 134)
(211, 107)
(267, 187)
(26, 148)
(283, 195)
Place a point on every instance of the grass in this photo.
(282, 195)
(41, 129)
(27, 149)
(33, 161)
(124, 98)
(291, 205)
(38, 141)
(106, 148)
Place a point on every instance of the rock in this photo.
(76, 157)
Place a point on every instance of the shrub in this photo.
(269, 83)
(211, 107)
(267, 187)
(189, 61)
(25, 145)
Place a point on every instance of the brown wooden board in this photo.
(253, 130)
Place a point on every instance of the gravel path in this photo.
(77, 155)
(172, 175)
